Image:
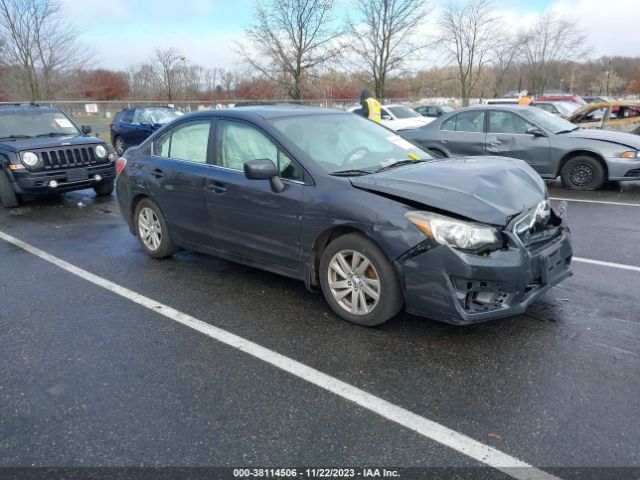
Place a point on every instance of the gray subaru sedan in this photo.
(350, 208)
(583, 158)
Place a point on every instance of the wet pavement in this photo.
(88, 378)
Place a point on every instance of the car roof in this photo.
(268, 111)
(26, 108)
(495, 106)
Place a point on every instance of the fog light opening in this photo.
(53, 184)
(97, 177)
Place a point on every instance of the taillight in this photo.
(120, 163)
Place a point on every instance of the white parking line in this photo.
(596, 201)
(423, 426)
(601, 263)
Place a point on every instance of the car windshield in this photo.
(548, 121)
(403, 112)
(162, 115)
(567, 107)
(34, 124)
(345, 142)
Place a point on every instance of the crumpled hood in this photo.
(485, 189)
(48, 142)
(628, 139)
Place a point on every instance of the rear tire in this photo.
(104, 188)
(8, 196)
(361, 286)
(583, 172)
(152, 230)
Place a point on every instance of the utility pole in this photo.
(606, 92)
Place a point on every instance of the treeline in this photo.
(299, 49)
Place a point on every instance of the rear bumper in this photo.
(461, 288)
(38, 183)
(621, 169)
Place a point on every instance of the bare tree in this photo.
(506, 52)
(550, 40)
(39, 44)
(169, 65)
(467, 32)
(143, 82)
(290, 40)
(384, 37)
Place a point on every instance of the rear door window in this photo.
(471, 121)
(190, 141)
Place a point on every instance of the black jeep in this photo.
(42, 151)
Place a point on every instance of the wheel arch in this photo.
(582, 152)
(319, 246)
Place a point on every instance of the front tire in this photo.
(104, 188)
(358, 281)
(152, 230)
(8, 196)
(583, 173)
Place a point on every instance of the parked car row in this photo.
(583, 158)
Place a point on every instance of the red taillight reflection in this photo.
(120, 163)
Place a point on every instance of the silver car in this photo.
(584, 159)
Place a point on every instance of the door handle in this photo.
(495, 144)
(217, 187)
(157, 173)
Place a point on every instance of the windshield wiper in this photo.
(54, 134)
(15, 137)
(399, 164)
(350, 173)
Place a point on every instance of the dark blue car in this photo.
(349, 207)
(132, 126)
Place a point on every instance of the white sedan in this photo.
(399, 117)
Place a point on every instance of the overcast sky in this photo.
(125, 32)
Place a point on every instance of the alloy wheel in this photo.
(354, 282)
(149, 229)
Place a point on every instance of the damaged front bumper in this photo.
(464, 288)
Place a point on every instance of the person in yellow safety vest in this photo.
(525, 99)
(370, 107)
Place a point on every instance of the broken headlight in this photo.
(455, 233)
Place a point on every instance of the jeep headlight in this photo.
(455, 233)
(101, 152)
(30, 159)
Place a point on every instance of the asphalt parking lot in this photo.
(89, 377)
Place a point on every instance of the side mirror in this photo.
(263, 169)
(85, 129)
(386, 117)
(536, 132)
